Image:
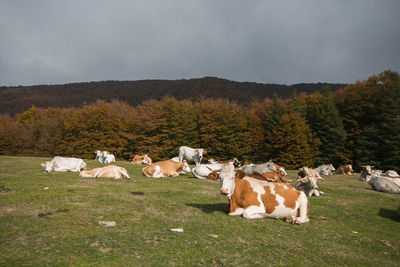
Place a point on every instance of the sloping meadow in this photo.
(53, 219)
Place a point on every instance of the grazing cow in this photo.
(63, 164)
(110, 171)
(253, 198)
(141, 160)
(202, 171)
(191, 154)
(309, 186)
(308, 172)
(259, 168)
(345, 169)
(165, 168)
(325, 169)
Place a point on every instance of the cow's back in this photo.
(166, 166)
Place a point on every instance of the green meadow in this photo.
(59, 226)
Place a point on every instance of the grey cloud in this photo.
(47, 42)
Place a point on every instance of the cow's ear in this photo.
(43, 164)
(204, 151)
(240, 174)
(213, 176)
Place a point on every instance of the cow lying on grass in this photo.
(165, 168)
(64, 164)
(307, 182)
(141, 160)
(325, 169)
(111, 171)
(345, 169)
(254, 198)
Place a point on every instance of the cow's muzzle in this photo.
(224, 191)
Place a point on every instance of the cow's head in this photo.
(302, 172)
(186, 167)
(227, 177)
(199, 152)
(146, 160)
(331, 168)
(236, 162)
(309, 182)
(48, 166)
(367, 169)
(349, 168)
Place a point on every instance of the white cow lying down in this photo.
(110, 171)
(63, 164)
(202, 171)
(165, 168)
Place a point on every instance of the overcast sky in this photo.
(287, 42)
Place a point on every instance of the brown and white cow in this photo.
(306, 172)
(165, 168)
(110, 171)
(345, 169)
(280, 169)
(141, 160)
(254, 198)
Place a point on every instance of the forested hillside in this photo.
(359, 124)
(14, 100)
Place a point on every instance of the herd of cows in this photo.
(253, 190)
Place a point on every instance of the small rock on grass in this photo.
(108, 223)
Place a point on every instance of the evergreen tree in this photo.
(324, 120)
(293, 145)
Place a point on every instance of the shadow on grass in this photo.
(390, 214)
(209, 208)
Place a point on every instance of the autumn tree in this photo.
(294, 145)
(224, 129)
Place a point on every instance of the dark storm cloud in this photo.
(263, 41)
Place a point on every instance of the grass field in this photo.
(362, 229)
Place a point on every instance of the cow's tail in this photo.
(196, 175)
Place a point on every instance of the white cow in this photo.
(99, 156)
(63, 164)
(191, 154)
(203, 170)
(325, 169)
(259, 168)
(107, 157)
(309, 186)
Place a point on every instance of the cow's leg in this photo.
(238, 211)
(302, 209)
(254, 212)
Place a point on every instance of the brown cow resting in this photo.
(165, 168)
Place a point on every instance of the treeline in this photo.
(359, 124)
(14, 100)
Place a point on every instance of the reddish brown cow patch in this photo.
(269, 200)
(243, 196)
(289, 194)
